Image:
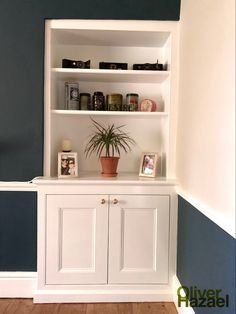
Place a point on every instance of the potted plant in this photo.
(111, 140)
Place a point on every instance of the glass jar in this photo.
(114, 102)
(85, 101)
(132, 102)
(98, 101)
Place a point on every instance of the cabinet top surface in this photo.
(96, 178)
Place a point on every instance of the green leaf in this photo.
(110, 139)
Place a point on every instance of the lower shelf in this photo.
(112, 113)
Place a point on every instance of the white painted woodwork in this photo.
(77, 199)
(17, 284)
(138, 239)
(120, 41)
(130, 114)
(18, 186)
(91, 75)
(93, 252)
(77, 239)
(77, 230)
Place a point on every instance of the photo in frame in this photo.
(67, 165)
(149, 164)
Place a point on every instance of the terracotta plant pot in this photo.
(109, 166)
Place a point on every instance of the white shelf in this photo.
(99, 75)
(136, 114)
(111, 33)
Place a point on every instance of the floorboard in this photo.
(26, 306)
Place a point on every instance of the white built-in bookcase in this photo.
(112, 41)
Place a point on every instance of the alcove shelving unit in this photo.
(108, 239)
(111, 41)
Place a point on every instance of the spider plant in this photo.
(109, 139)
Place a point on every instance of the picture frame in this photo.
(149, 164)
(67, 165)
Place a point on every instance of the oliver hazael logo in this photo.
(194, 297)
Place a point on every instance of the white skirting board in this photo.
(17, 284)
(96, 296)
(182, 309)
(23, 285)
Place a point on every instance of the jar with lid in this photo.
(85, 101)
(114, 102)
(132, 102)
(98, 101)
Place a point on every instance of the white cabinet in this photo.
(105, 240)
(138, 239)
(76, 240)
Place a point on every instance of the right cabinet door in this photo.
(138, 239)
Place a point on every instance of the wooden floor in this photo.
(25, 306)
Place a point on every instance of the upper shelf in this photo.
(111, 32)
(98, 75)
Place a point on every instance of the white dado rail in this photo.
(17, 186)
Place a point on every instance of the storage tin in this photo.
(114, 102)
(132, 102)
(98, 101)
(71, 96)
(85, 101)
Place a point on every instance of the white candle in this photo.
(66, 145)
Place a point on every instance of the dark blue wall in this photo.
(206, 256)
(21, 69)
(18, 231)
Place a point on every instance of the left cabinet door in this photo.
(76, 239)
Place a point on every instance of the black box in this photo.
(66, 63)
(113, 66)
(149, 66)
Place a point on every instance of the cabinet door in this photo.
(76, 233)
(138, 239)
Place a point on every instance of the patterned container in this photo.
(72, 96)
(98, 101)
(114, 102)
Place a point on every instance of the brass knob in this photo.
(103, 201)
(115, 201)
